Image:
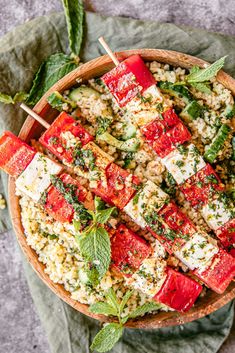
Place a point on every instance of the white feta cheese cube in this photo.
(197, 252)
(183, 163)
(150, 276)
(216, 214)
(35, 179)
(142, 109)
(151, 197)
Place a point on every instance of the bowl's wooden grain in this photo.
(31, 129)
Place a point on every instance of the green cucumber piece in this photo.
(179, 91)
(130, 145)
(217, 143)
(56, 100)
(129, 132)
(233, 146)
(192, 111)
(229, 111)
(83, 92)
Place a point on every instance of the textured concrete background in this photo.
(20, 328)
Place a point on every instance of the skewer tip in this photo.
(108, 50)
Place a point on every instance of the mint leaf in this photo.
(107, 337)
(125, 299)
(95, 248)
(99, 203)
(112, 299)
(202, 87)
(52, 70)
(102, 216)
(103, 308)
(206, 74)
(74, 13)
(18, 97)
(56, 100)
(6, 99)
(143, 309)
(77, 225)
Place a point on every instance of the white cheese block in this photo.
(35, 179)
(197, 252)
(142, 110)
(215, 214)
(182, 165)
(150, 276)
(149, 198)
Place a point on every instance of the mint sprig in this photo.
(94, 242)
(199, 78)
(109, 335)
(197, 75)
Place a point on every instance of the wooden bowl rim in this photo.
(205, 305)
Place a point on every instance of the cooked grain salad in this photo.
(99, 113)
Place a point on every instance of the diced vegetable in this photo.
(63, 136)
(226, 235)
(220, 273)
(183, 162)
(233, 146)
(200, 187)
(35, 179)
(117, 187)
(217, 143)
(130, 78)
(57, 101)
(15, 155)
(128, 250)
(55, 202)
(178, 291)
(130, 145)
(175, 90)
(82, 92)
(229, 111)
(192, 111)
(129, 132)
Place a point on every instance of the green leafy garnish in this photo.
(103, 124)
(202, 87)
(57, 101)
(18, 97)
(107, 337)
(57, 65)
(197, 75)
(111, 333)
(52, 70)
(74, 13)
(94, 242)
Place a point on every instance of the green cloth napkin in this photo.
(21, 53)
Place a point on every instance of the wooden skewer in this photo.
(108, 51)
(35, 115)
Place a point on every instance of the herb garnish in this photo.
(94, 242)
(111, 333)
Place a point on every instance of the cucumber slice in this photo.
(129, 132)
(179, 91)
(217, 143)
(229, 111)
(233, 146)
(130, 145)
(192, 111)
(83, 92)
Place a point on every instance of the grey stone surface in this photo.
(20, 328)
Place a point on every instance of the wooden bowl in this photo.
(32, 129)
